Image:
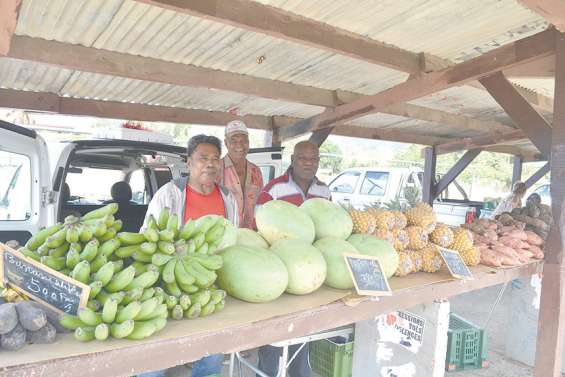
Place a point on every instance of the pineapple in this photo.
(384, 234)
(400, 220)
(400, 239)
(422, 215)
(405, 264)
(384, 219)
(442, 235)
(416, 258)
(462, 239)
(431, 259)
(417, 237)
(471, 256)
(363, 223)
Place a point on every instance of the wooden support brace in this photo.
(430, 158)
(537, 175)
(551, 322)
(517, 169)
(454, 172)
(9, 10)
(318, 137)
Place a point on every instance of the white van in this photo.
(40, 184)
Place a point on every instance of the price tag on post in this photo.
(45, 285)
(367, 275)
(455, 264)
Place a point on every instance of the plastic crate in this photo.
(466, 345)
(329, 358)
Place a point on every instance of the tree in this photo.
(331, 157)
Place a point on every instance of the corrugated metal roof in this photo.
(545, 86)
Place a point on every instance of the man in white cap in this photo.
(241, 177)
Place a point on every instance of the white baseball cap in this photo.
(236, 126)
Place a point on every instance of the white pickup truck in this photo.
(42, 183)
(362, 187)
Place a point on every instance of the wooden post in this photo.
(551, 322)
(272, 138)
(517, 169)
(428, 184)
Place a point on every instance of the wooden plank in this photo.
(480, 141)
(387, 135)
(9, 10)
(165, 353)
(552, 10)
(522, 113)
(428, 185)
(523, 51)
(278, 23)
(318, 137)
(537, 175)
(455, 170)
(551, 322)
(517, 169)
(540, 68)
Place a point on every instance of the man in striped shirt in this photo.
(298, 184)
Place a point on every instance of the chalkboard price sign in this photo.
(455, 264)
(367, 275)
(44, 284)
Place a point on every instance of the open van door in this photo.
(25, 183)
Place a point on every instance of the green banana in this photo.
(122, 330)
(109, 209)
(148, 248)
(163, 218)
(108, 247)
(90, 250)
(181, 247)
(121, 280)
(193, 311)
(86, 234)
(171, 301)
(173, 224)
(72, 258)
(217, 295)
(118, 265)
(84, 334)
(210, 262)
(62, 250)
(93, 305)
(99, 229)
(202, 279)
(109, 220)
(128, 312)
(203, 249)
(152, 223)
(216, 232)
(132, 295)
(184, 301)
(142, 330)
(166, 247)
(169, 271)
(205, 223)
(187, 229)
(117, 225)
(207, 274)
(110, 233)
(191, 247)
(95, 288)
(72, 234)
(102, 331)
(71, 322)
(39, 238)
(126, 251)
(189, 288)
(130, 238)
(173, 289)
(98, 262)
(151, 235)
(220, 305)
(148, 307)
(159, 292)
(207, 309)
(199, 240)
(141, 257)
(140, 267)
(166, 235)
(57, 239)
(54, 262)
(89, 317)
(181, 275)
(159, 323)
(145, 280)
(30, 254)
(43, 250)
(105, 273)
(202, 297)
(109, 310)
(176, 312)
(104, 296)
(159, 259)
(160, 312)
(147, 294)
(81, 272)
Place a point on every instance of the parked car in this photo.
(362, 187)
(42, 183)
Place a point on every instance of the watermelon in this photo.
(332, 249)
(383, 250)
(305, 265)
(330, 219)
(252, 274)
(248, 237)
(279, 220)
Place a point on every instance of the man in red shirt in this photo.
(298, 184)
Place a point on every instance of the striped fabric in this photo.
(284, 188)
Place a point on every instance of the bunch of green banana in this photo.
(199, 304)
(120, 318)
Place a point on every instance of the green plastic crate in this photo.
(330, 359)
(466, 345)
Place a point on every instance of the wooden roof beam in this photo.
(523, 51)
(9, 10)
(552, 10)
(479, 142)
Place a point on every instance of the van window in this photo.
(345, 183)
(92, 185)
(374, 183)
(138, 187)
(15, 186)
